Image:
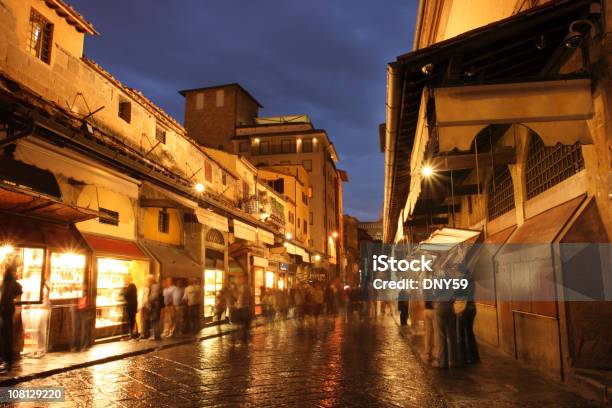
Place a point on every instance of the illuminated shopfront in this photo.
(213, 280)
(270, 279)
(258, 282)
(112, 274)
(114, 260)
(53, 270)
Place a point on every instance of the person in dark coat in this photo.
(130, 297)
(11, 289)
(155, 303)
(402, 306)
(467, 348)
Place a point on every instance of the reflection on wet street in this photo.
(327, 363)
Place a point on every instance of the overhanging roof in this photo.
(501, 52)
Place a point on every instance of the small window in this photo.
(107, 216)
(40, 37)
(208, 171)
(264, 147)
(220, 98)
(299, 223)
(307, 146)
(288, 146)
(243, 147)
(245, 190)
(279, 185)
(305, 225)
(307, 164)
(304, 198)
(200, 101)
(125, 110)
(163, 222)
(311, 216)
(224, 179)
(160, 135)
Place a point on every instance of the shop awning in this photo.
(23, 231)
(245, 231)
(463, 111)
(30, 191)
(445, 239)
(265, 236)
(174, 261)
(259, 261)
(212, 220)
(114, 247)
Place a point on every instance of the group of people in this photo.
(167, 311)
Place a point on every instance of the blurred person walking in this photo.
(144, 309)
(192, 299)
(155, 303)
(402, 306)
(169, 311)
(180, 311)
(80, 323)
(130, 297)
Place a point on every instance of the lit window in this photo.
(41, 33)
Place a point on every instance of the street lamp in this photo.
(199, 187)
(334, 234)
(317, 258)
(288, 236)
(427, 171)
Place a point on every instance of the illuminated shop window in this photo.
(67, 274)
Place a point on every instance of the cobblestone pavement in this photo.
(328, 363)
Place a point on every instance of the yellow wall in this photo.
(151, 231)
(94, 197)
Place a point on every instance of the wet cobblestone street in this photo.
(323, 364)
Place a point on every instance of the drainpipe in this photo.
(392, 119)
(419, 25)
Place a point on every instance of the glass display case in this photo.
(67, 275)
(111, 280)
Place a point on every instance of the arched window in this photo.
(500, 192)
(215, 236)
(547, 166)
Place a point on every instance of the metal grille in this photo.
(547, 166)
(215, 236)
(501, 193)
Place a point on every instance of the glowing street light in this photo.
(288, 236)
(427, 171)
(317, 257)
(334, 234)
(199, 187)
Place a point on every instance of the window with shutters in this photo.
(288, 146)
(245, 190)
(125, 110)
(208, 171)
(500, 193)
(163, 222)
(40, 36)
(264, 147)
(160, 134)
(307, 146)
(548, 166)
(224, 178)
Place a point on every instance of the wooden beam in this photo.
(505, 155)
(444, 191)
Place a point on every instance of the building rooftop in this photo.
(184, 92)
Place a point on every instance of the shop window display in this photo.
(269, 279)
(258, 283)
(66, 277)
(213, 283)
(112, 274)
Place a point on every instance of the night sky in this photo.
(320, 57)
